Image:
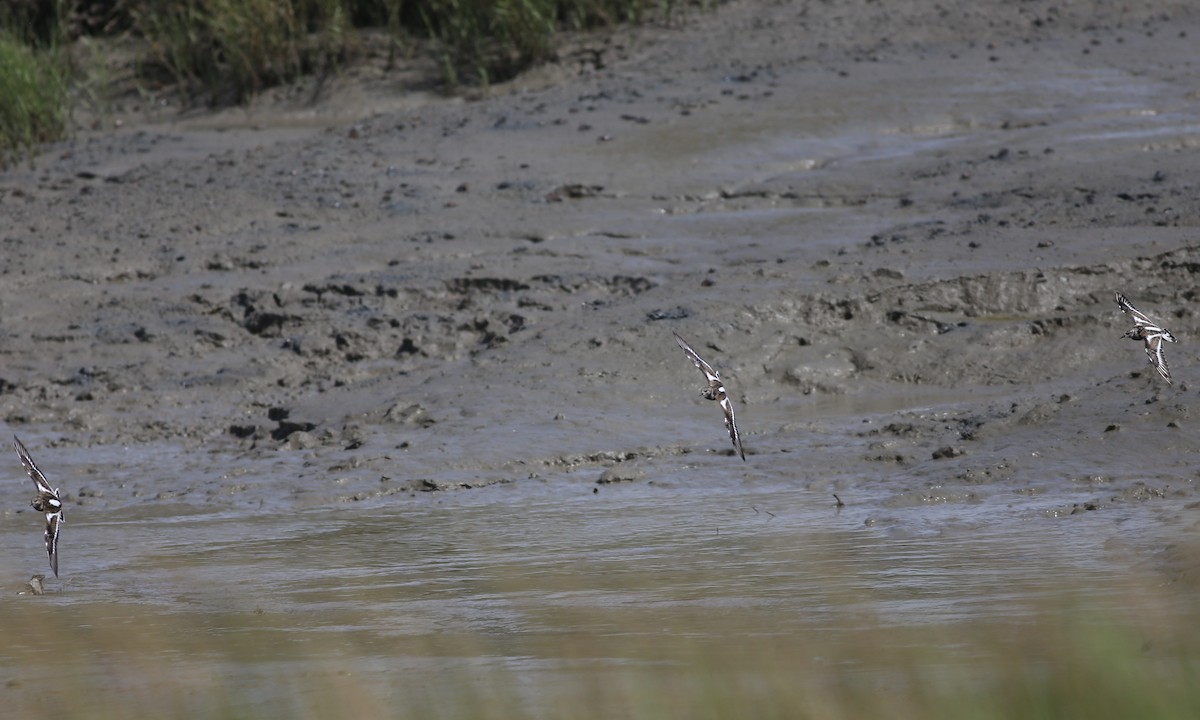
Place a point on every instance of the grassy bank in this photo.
(228, 49)
(35, 105)
(221, 52)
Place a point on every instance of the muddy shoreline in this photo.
(897, 233)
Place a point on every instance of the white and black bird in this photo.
(1150, 333)
(715, 391)
(46, 501)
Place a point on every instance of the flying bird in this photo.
(46, 501)
(715, 391)
(1149, 333)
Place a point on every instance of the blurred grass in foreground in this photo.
(105, 661)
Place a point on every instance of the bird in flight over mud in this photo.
(715, 391)
(47, 501)
(1150, 333)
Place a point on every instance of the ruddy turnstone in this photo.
(46, 501)
(715, 391)
(1149, 333)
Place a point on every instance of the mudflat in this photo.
(906, 220)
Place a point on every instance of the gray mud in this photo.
(896, 233)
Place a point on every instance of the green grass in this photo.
(225, 51)
(228, 50)
(35, 108)
(482, 41)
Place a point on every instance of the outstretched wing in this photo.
(1139, 317)
(30, 467)
(1154, 350)
(54, 523)
(697, 360)
(731, 425)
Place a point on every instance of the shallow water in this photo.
(546, 584)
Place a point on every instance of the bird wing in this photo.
(1139, 317)
(1154, 350)
(30, 467)
(731, 425)
(697, 360)
(54, 523)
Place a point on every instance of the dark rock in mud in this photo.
(676, 313)
(620, 474)
(285, 426)
(947, 451)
